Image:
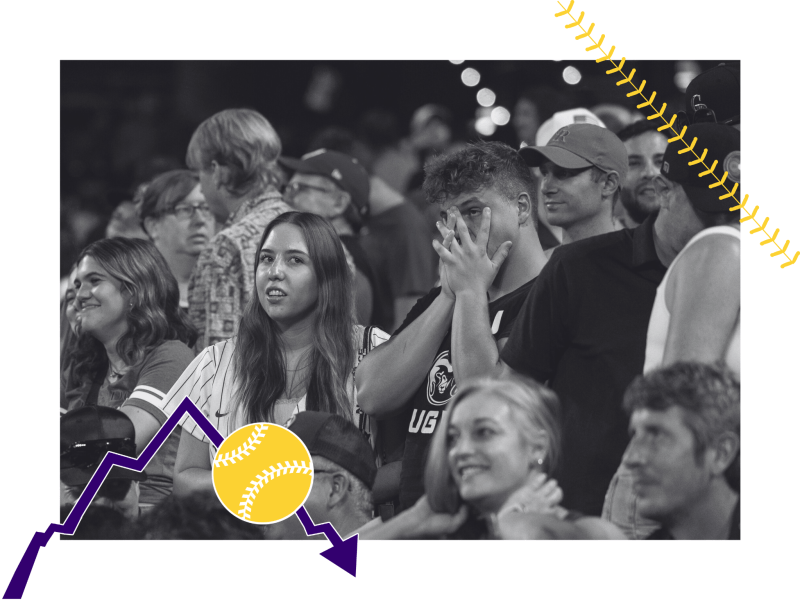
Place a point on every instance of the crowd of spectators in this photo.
(474, 340)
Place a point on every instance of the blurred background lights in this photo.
(685, 71)
(571, 75)
(486, 97)
(484, 126)
(456, 62)
(500, 116)
(470, 77)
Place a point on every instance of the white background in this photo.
(35, 37)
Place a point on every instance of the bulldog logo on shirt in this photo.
(441, 385)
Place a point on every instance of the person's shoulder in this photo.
(591, 247)
(719, 253)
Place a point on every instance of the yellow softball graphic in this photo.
(262, 473)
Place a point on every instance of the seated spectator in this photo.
(87, 434)
(335, 186)
(197, 517)
(645, 146)
(582, 167)
(175, 216)
(344, 471)
(234, 153)
(296, 348)
(486, 198)
(684, 453)
(69, 335)
(485, 476)
(133, 343)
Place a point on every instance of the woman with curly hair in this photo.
(296, 348)
(133, 343)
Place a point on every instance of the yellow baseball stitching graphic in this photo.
(678, 136)
(239, 474)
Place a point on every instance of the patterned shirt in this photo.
(222, 279)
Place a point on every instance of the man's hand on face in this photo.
(467, 264)
(448, 234)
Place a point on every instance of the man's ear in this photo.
(151, 227)
(611, 183)
(340, 203)
(339, 490)
(724, 452)
(524, 208)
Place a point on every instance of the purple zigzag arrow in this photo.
(21, 575)
(343, 553)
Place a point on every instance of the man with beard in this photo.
(646, 146)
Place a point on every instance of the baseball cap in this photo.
(718, 90)
(722, 142)
(345, 171)
(562, 118)
(338, 440)
(578, 146)
(87, 434)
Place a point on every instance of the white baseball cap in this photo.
(565, 117)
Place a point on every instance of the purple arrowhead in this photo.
(344, 554)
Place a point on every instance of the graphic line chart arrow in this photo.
(343, 553)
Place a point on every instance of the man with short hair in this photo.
(645, 146)
(344, 471)
(490, 255)
(583, 166)
(234, 153)
(684, 450)
(335, 186)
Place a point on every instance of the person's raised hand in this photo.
(447, 230)
(425, 523)
(538, 495)
(468, 265)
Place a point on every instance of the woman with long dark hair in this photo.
(296, 347)
(133, 343)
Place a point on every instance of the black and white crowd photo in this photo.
(490, 297)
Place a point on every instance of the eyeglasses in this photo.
(91, 452)
(186, 211)
(295, 187)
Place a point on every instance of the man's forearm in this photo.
(389, 375)
(474, 350)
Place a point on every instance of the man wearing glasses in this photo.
(335, 186)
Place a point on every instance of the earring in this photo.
(540, 461)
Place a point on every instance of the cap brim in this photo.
(300, 166)
(534, 156)
(78, 476)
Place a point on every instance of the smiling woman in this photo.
(133, 343)
(296, 348)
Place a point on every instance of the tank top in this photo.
(660, 317)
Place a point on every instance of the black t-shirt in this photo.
(432, 396)
(583, 331)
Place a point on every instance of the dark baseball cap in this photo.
(335, 438)
(344, 170)
(719, 90)
(87, 434)
(581, 145)
(722, 143)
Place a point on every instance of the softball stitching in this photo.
(264, 477)
(244, 449)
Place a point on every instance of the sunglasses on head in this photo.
(91, 452)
